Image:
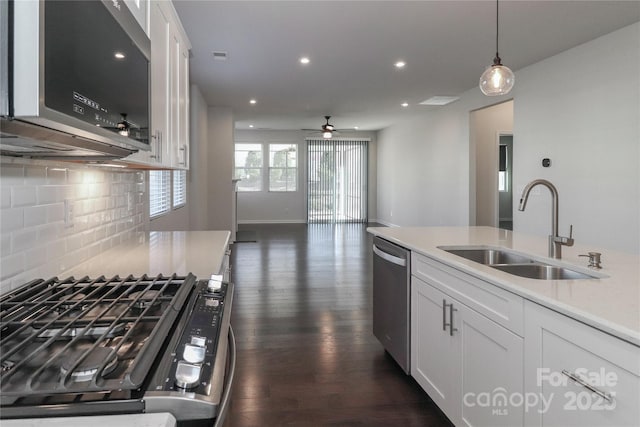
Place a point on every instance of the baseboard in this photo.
(273, 221)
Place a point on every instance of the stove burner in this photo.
(146, 299)
(68, 303)
(93, 332)
(88, 368)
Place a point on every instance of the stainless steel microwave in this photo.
(77, 79)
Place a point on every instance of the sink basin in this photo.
(516, 264)
(542, 271)
(490, 256)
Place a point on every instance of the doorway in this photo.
(505, 181)
(486, 126)
(337, 180)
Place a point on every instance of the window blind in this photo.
(337, 180)
(179, 188)
(159, 192)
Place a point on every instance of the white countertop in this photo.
(155, 252)
(611, 303)
(130, 420)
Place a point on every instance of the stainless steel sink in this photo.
(490, 256)
(543, 271)
(517, 264)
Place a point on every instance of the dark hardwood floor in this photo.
(306, 352)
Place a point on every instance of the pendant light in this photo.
(497, 79)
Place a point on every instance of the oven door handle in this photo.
(226, 393)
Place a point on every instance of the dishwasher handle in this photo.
(388, 257)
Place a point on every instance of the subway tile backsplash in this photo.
(52, 218)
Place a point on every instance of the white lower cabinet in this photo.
(579, 375)
(470, 366)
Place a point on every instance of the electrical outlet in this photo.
(130, 202)
(68, 213)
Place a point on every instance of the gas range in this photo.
(115, 346)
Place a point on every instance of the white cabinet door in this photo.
(182, 146)
(491, 371)
(605, 389)
(471, 371)
(159, 30)
(432, 348)
(160, 83)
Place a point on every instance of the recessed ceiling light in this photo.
(400, 64)
(440, 100)
(305, 60)
(252, 101)
(119, 55)
(356, 127)
(405, 104)
(250, 126)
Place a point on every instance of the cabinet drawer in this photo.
(605, 388)
(499, 305)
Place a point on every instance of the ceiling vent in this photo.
(440, 100)
(220, 55)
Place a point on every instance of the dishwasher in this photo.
(391, 299)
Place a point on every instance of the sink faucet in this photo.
(555, 241)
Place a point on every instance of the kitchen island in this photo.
(610, 303)
(494, 348)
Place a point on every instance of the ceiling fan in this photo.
(327, 129)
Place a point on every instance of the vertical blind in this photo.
(337, 180)
(159, 192)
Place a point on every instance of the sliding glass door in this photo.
(337, 180)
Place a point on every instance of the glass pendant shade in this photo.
(326, 134)
(497, 80)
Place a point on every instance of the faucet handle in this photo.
(594, 259)
(566, 241)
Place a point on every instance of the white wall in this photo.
(197, 176)
(108, 207)
(218, 162)
(291, 207)
(580, 108)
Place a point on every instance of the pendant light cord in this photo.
(497, 60)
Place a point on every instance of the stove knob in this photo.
(198, 340)
(215, 283)
(187, 375)
(193, 353)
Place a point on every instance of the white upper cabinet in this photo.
(169, 130)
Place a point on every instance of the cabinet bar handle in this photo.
(444, 314)
(576, 378)
(451, 328)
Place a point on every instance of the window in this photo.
(502, 170)
(179, 188)
(283, 167)
(248, 166)
(159, 192)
